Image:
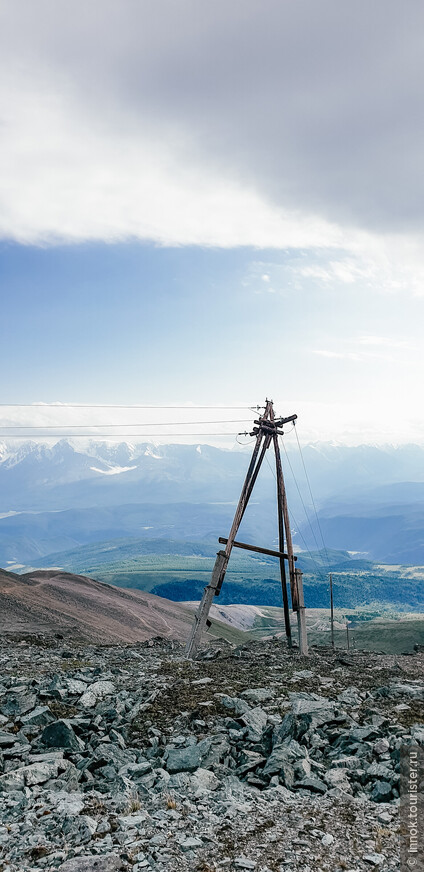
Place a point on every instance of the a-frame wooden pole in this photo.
(223, 557)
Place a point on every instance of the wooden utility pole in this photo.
(301, 618)
(267, 431)
(347, 634)
(331, 611)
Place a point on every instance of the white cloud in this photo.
(363, 349)
(340, 355)
(117, 127)
(67, 177)
(386, 342)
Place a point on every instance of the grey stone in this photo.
(379, 770)
(191, 843)
(7, 740)
(36, 773)
(336, 778)
(249, 761)
(187, 759)
(60, 734)
(102, 688)
(88, 699)
(49, 756)
(183, 759)
(414, 691)
(75, 687)
(285, 729)
(351, 697)
(70, 804)
(315, 785)
(417, 733)
(381, 747)
(364, 733)
(374, 859)
(158, 840)
(136, 770)
(39, 716)
(203, 781)
(381, 792)
(302, 768)
(278, 764)
(384, 817)
(90, 863)
(233, 703)
(258, 694)
(18, 704)
(107, 753)
(306, 703)
(14, 780)
(294, 749)
(255, 720)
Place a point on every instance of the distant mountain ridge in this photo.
(35, 477)
(59, 498)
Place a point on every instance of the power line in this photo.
(312, 498)
(132, 435)
(110, 406)
(301, 498)
(151, 424)
(293, 519)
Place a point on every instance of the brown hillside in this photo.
(51, 601)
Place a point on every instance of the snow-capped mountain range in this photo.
(59, 496)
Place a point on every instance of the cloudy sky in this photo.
(209, 203)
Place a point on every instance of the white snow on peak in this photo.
(4, 452)
(150, 453)
(113, 470)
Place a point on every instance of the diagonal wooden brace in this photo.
(213, 589)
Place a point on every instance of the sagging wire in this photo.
(110, 426)
(312, 498)
(293, 520)
(301, 498)
(250, 441)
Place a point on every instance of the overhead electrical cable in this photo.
(301, 498)
(318, 569)
(312, 498)
(111, 406)
(115, 435)
(109, 426)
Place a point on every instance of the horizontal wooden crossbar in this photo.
(245, 547)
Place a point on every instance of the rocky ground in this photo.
(131, 758)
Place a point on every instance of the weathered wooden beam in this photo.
(301, 617)
(201, 618)
(218, 574)
(281, 498)
(246, 547)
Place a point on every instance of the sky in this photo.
(208, 204)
